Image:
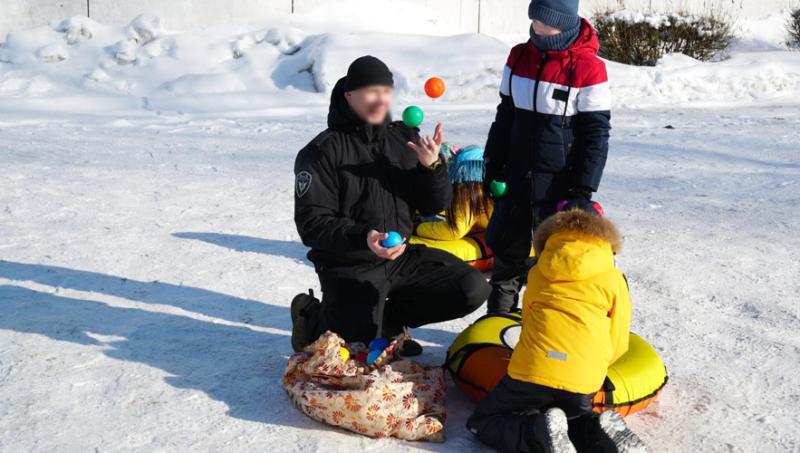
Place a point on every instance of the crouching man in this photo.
(361, 178)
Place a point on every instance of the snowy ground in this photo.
(147, 265)
(148, 253)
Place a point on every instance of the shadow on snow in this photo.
(235, 365)
(286, 249)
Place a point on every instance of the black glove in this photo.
(592, 207)
(580, 193)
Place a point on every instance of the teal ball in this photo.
(413, 116)
(499, 189)
(373, 356)
(392, 240)
(378, 344)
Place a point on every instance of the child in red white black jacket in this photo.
(549, 140)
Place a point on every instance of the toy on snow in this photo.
(397, 398)
(376, 348)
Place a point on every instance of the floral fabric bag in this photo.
(392, 397)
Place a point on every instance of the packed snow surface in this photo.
(147, 267)
(148, 253)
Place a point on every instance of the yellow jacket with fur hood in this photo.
(576, 310)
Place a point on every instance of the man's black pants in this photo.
(507, 418)
(423, 286)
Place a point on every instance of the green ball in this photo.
(413, 116)
(498, 188)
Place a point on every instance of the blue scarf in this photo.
(559, 42)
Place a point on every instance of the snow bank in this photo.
(140, 65)
(79, 65)
(470, 63)
(764, 32)
(678, 80)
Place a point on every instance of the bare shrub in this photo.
(642, 39)
(794, 29)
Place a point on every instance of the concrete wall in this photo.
(504, 18)
(493, 17)
(459, 14)
(188, 14)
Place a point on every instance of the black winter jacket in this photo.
(355, 177)
(551, 132)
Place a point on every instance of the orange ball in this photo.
(434, 87)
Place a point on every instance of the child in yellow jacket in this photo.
(575, 323)
(470, 209)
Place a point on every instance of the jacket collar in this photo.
(342, 118)
(586, 43)
(558, 42)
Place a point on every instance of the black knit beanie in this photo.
(366, 71)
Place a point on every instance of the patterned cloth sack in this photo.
(392, 397)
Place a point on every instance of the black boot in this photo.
(606, 433)
(501, 302)
(303, 307)
(508, 278)
(587, 436)
(410, 348)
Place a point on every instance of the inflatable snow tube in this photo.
(471, 249)
(479, 357)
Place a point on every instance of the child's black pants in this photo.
(506, 418)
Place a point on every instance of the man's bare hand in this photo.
(374, 239)
(428, 148)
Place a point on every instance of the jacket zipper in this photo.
(539, 72)
(536, 84)
(569, 89)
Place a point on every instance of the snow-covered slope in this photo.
(78, 65)
(191, 72)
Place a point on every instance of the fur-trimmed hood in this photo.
(580, 222)
(575, 245)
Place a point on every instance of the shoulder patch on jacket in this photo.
(302, 183)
